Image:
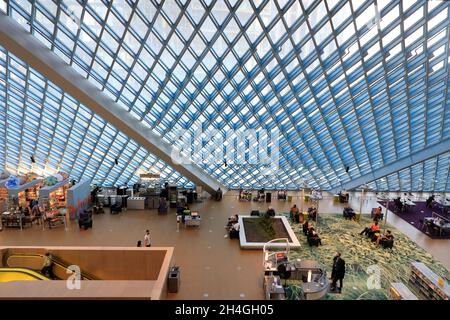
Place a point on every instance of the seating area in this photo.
(429, 219)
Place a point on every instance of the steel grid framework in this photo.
(358, 84)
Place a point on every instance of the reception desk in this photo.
(136, 203)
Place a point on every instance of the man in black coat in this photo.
(338, 272)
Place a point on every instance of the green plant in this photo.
(266, 224)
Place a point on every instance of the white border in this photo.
(294, 243)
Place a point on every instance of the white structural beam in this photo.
(416, 157)
(21, 43)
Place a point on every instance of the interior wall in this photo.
(109, 263)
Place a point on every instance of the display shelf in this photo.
(429, 283)
(3, 190)
(173, 196)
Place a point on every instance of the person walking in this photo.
(338, 272)
(147, 242)
(47, 267)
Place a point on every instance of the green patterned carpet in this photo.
(359, 253)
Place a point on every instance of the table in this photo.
(190, 221)
(408, 202)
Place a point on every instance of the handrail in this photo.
(26, 271)
(58, 262)
(268, 254)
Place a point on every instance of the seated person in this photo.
(270, 212)
(186, 212)
(313, 237)
(312, 213)
(384, 239)
(234, 227)
(377, 214)
(234, 230)
(374, 228)
(305, 227)
(233, 219)
(349, 213)
(295, 214)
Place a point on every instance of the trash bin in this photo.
(174, 280)
(289, 198)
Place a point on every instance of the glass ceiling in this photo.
(37, 118)
(429, 175)
(347, 83)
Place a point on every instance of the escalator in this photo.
(19, 274)
(35, 261)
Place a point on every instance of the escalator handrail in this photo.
(26, 271)
(84, 276)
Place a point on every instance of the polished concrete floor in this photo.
(212, 266)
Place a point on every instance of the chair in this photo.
(445, 229)
(85, 220)
(314, 241)
(255, 213)
(116, 208)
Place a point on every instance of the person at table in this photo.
(295, 214)
(337, 272)
(429, 202)
(270, 212)
(370, 231)
(186, 212)
(383, 238)
(47, 266)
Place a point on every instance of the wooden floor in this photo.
(212, 266)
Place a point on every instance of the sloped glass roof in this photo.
(355, 84)
(428, 175)
(38, 119)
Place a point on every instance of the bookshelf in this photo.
(429, 283)
(54, 197)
